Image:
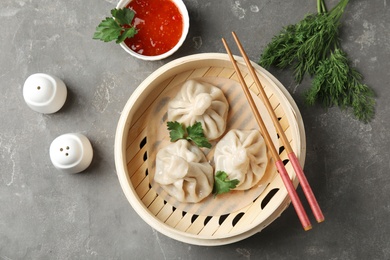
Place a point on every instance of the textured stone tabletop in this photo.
(47, 214)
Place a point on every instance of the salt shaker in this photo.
(44, 93)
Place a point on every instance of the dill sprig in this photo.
(338, 84)
(304, 44)
(312, 47)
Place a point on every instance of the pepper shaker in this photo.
(71, 153)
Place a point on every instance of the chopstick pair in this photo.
(290, 153)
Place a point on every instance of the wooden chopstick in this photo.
(278, 162)
(290, 153)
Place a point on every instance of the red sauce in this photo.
(159, 24)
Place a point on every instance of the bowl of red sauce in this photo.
(162, 28)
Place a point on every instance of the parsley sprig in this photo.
(118, 27)
(191, 133)
(312, 47)
(222, 184)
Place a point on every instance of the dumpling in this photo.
(200, 102)
(242, 154)
(183, 172)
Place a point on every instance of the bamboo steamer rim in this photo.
(124, 124)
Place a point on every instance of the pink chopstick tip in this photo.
(293, 196)
(306, 188)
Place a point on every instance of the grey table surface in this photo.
(47, 214)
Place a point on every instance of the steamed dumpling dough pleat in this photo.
(183, 172)
(200, 102)
(242, 154)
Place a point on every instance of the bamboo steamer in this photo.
(182, 223)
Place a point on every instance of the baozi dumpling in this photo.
(242, 154)
(200, 102)
(183, 172)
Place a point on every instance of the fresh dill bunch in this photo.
(336, 83)
(312, 47)
(282, 49)
(297, 46)
(321, 34)
(305, 44)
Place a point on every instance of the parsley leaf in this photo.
(222, 184)
(128, 33)
(118, 27)
(123, 16)
(195, 133)
(191, 133)
(108, 30)
(176, 131)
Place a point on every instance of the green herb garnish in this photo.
(222, 184)
(118, 27)
(337, 84)
(191, 133)
(312, 47)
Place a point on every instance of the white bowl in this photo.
(186, 24)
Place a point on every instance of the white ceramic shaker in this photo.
(44, 93)
(71, 153)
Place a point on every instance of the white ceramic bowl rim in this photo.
(186, 24)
